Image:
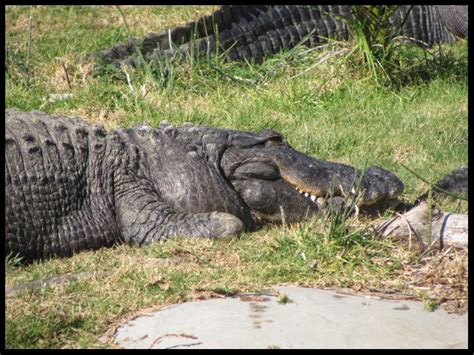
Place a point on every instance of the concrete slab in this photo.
(311, 319)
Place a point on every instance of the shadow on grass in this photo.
(416, 65)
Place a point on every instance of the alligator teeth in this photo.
(306, 194)
(320, 201)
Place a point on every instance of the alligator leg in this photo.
(142, 218)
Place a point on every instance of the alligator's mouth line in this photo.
(316, 198)
(320, 197)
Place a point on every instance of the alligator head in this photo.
(277, 181)
(270, 179)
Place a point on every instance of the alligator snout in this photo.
(320, 179)
(380, 184)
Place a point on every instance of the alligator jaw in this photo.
(317, 179)
(309, 195)
(317, 198)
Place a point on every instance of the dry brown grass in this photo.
(441, 279)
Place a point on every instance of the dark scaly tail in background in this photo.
(252, 33)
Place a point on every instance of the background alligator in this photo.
(456, 183)
(71, 186)
(426, 224)
(253, 32)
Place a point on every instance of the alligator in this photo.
(253, 32)
(72, 186)
(455, 183)
(425, 225)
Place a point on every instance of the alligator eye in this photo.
(276, 140)
(256, 170)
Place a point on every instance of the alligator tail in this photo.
(253, 32)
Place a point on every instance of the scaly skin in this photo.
(71, 186)
(456, 183)
(255, 32)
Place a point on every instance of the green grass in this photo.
(328, 111)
